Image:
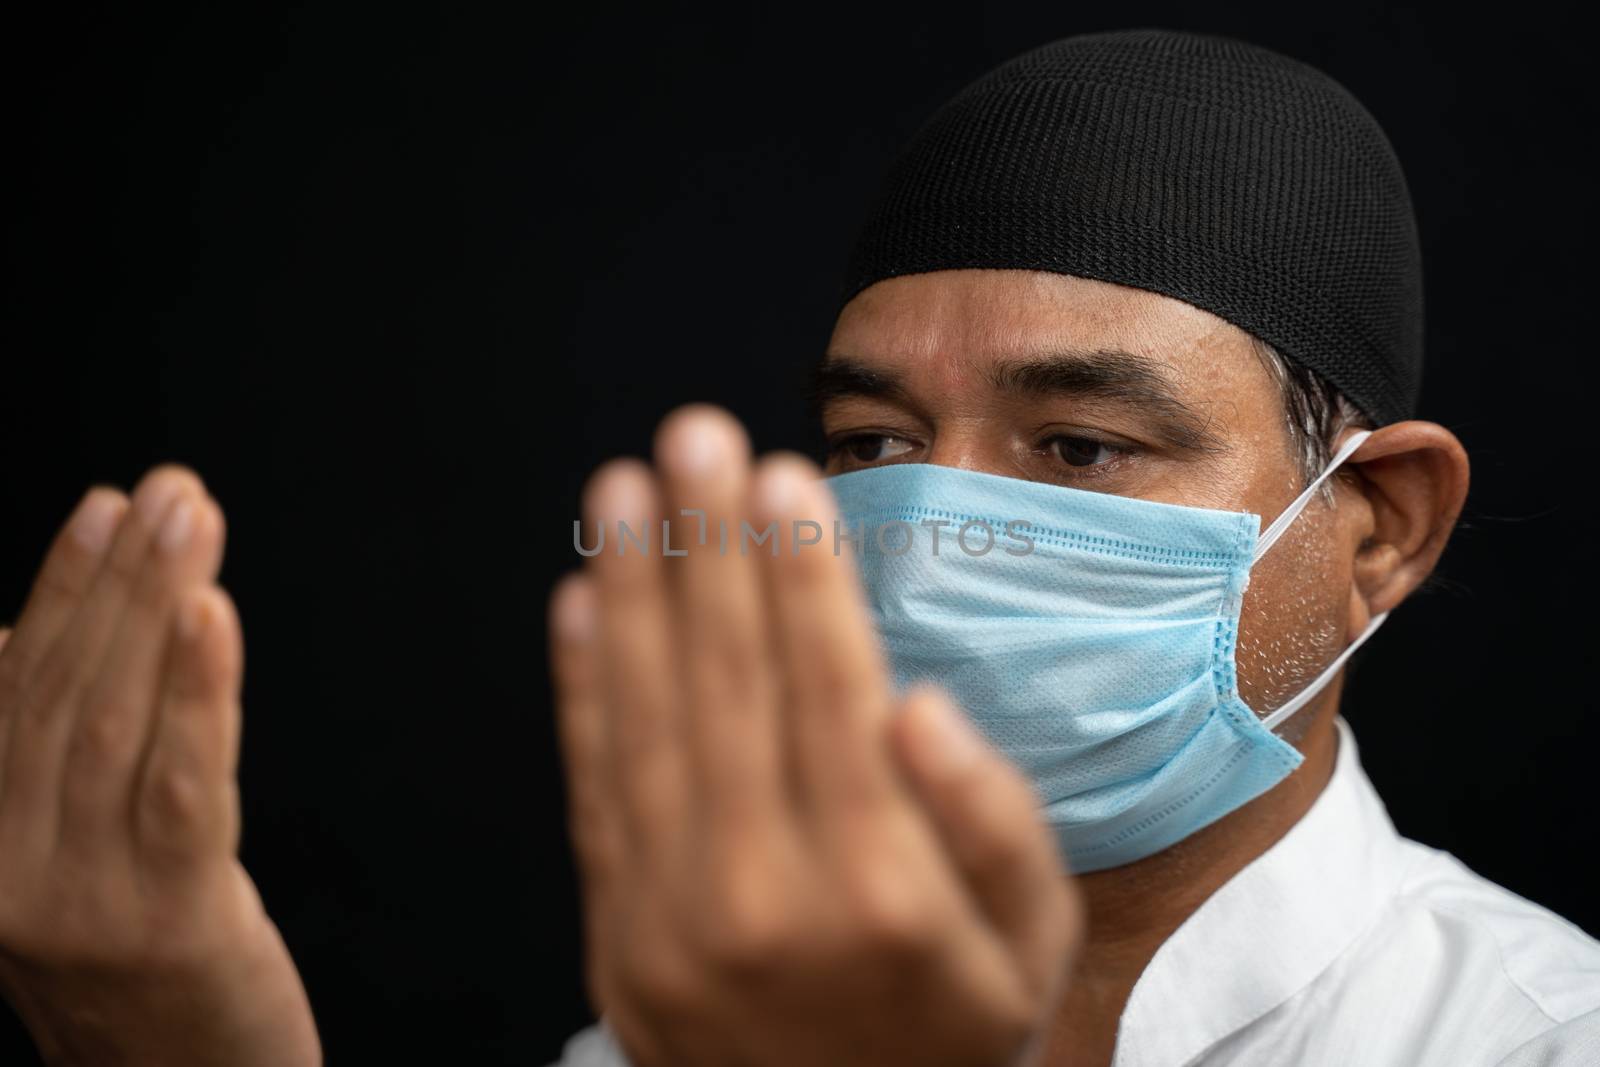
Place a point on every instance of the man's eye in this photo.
(1082, 451)
(872, 447)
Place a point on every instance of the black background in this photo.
(392, 281)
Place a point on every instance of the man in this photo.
(1136, 329)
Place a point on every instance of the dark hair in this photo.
(1315, 410)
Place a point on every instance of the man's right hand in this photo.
(779, 868)
(129, 932)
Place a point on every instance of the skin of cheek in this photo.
(1292, 624)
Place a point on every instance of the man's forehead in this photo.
(964, 321)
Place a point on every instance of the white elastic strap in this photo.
(1281, 523)
(1304, 697)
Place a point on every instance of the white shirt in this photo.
(1347, 945)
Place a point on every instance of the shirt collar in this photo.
(1272, 928)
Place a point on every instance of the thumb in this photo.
(986, 814)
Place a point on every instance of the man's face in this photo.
(1108, 388)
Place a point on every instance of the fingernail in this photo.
(150, 500)
(623, 492)
(95, 521)
(193, 617)
(697, 449)
(575, 611)
(780, 490)
(175, 531)
(951, 743)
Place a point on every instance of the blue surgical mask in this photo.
(1090, 637)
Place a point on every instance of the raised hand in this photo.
(129, 932)
(780, 867)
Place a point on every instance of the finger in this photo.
(117, 716)
(186, 794)
(68, 568)
(730, 681)
(31, 788)
(581, 727)
(837, 701)
(644, 730)
(987, 816)
(593, 818)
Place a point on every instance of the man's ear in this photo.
(1414, 477)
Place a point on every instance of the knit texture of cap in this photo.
(1199, 166)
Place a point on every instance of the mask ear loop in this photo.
(1303, 698)
(1281, 523)
(1266, 541)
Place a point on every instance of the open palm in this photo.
(129, 932)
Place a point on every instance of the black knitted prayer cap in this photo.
(1200, 166)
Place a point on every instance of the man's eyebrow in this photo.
(1110, 374)
(840, 376)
